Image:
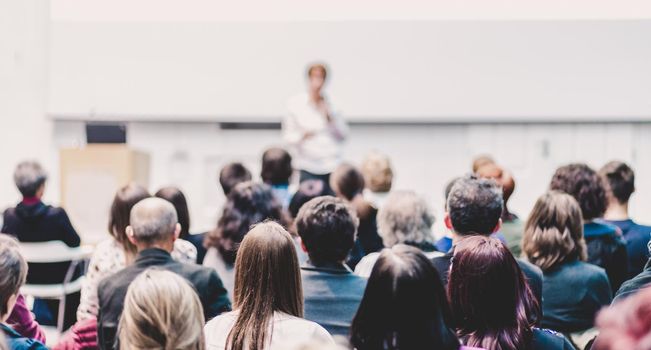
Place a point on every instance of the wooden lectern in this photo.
(90, 176)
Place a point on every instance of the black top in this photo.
(113, 289)
(607, 248)
(637, 237)
(197, 242)
(368, 240)
(636, 283)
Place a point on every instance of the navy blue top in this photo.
(332, 295)
(637, 237)
(16, 341)
(607, 248)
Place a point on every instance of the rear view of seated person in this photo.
(233, 174)
(573, 290)
(332, 292)
(403, 219)
(378, 178)
(277, 172)
(619, 179)
(606, 246)
(474, 207)
(13, 272)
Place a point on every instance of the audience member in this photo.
(619, 180)
(177, 198)
(444, 244)
(233, 174)
(474, 207)
(480, 161)
(492, 305)
(626, 325)
(404, 305)
(277, 172)
(573, 290)
(268, 299)
(636, 283)
(606, 246)
(116, 252)
(13, 274)
(161, 311)
(348, 183)
(246, 205)
(378, 177)
(22, 321)
(332, 292)
(404, 218)
(307, 190)
(153, 229)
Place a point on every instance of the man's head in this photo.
(502, 177)
(30, 179)
(619, 180)
(233, 174)
(327, 226)
(13, 272)
(153, 224)
(316, 75)
(474, 206)
(276, 166)
(582, 183)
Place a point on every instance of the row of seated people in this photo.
(553, 247)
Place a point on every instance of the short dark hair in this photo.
(619, 179)
(29, 176)
(347, 181)
(177, 198)
(307, 190)
(582, 183)
(327, 226)
(233, 174)
(474, 205)
(276, 166)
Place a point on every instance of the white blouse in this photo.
(287, 331)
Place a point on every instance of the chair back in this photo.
(52, 252)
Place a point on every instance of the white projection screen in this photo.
(205, 68)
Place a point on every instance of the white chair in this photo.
(55, 252)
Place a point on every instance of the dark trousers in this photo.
(306, 175)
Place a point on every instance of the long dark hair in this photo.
(404, 305)
(491, 302)
(125, 198)
(177, 198)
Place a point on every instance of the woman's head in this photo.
(177, 198)
(377, 171)
(125, 198)
(267, 279)
(553, 233)
(404, 218)
(247, 204)
(626, 325)
(404, 305)
(492, 304)
(13, 272)
(161, 311)
(585, 185)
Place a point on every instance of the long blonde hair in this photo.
(161, 311)
(267, 280)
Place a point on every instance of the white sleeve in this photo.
(291, 130)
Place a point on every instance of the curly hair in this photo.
(474, 205)
(582, 183)
(246, 205)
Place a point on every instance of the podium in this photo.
(90, 176)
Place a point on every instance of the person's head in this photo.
(153, 224)
(619, 180)
(267, 280)
(347, 182)
(316, 76)
(13, 273)
(553, 233)
(161, 311)
(404, 305)
(233, 174)
(177, 198)
(582, 183)
(404, 218)
(502, 177)
(491, 302)
(626, 325)
(125, 198)
(276, 166)
(307, 190)
(30, 179)
(327, 227)
(248, 203)
(377, 172)
(474, 206)
(480, 161)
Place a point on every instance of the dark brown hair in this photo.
(177, 198)
(276, 166)
(619, 180)
(267, 279)
(347, 181)
(125, 198)
(233, 174)
(492, 304)
(582, 183)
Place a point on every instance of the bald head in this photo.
(152, 221)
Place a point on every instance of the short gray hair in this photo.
(404, 217)
(153, 220)
(13, 270)
(29, 176)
